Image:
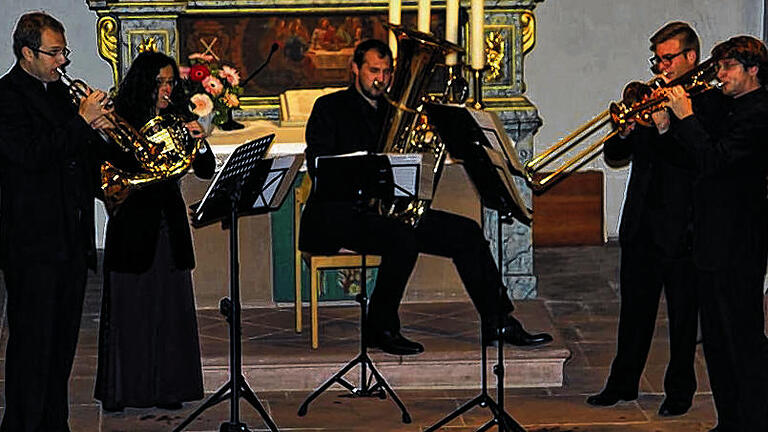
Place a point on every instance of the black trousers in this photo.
(45, 303)
(735, 346)
(438, 233)
(643, 274)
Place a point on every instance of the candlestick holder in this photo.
(456, 87)
(477, 76)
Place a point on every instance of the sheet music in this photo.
(274, 186)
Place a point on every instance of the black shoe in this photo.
(670, 408)
(393, 342)
(171, 406)
(610, 397)
(515, 334)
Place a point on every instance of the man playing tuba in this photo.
(351, 120)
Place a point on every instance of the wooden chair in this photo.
(318, 263)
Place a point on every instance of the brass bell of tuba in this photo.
(406, 126)
(163, 147)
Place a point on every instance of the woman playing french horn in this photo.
(149, 353)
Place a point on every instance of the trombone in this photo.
(638, 103)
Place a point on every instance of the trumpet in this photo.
(637, 104)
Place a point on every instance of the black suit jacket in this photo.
(658, 206)
(48, 176)
(340, 122)
(730, 208)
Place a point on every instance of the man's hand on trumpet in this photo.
(93, 108)
(679, 102)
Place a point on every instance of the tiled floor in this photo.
(577, 287)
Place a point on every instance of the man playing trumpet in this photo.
(730, 235)
(47, 230)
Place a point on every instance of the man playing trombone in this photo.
(655, 237)
(730, 234)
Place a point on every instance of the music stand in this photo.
(247, 184)
(357, 177)
(490, 160)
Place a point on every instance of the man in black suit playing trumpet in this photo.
(47, 233)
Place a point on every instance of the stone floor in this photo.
(577, 288)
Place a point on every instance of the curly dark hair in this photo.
(747, 50)
(136, 97)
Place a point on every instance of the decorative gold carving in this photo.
(106, 31)
(494, 55)
(148, 45)
(528, 31)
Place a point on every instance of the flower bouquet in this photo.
(214, 88)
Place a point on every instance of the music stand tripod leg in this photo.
(362, 359)
(336, 378)
(221, 395)
(250, 396)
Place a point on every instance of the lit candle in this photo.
(424, 15)
(394, 18)
(477, 25)
(452, 29)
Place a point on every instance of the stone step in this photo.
(539, 368)
(277, 359)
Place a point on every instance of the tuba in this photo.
(406, 127)
(163, 147)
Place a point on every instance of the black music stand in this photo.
(247, 184)
(491, 161)
(356, 178)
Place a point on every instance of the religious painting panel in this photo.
(313, 50)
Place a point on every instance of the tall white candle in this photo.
(452, 28)
(476, 29)
(395, 11)
(424, 15)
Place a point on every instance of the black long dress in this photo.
(149, 352)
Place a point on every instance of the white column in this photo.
(477, 33)
(395, 11)
(424, 15)
(452, 28)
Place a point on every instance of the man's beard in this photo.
(365, 91)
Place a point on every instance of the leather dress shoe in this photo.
(610, 397)
(670, 408)
(515, 334)
(392, 342)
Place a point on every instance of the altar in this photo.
(314, 38)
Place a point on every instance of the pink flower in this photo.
(204, 57)
(203, 104)
(231, 100)
(230, 74)
(212, 85)
(184, 72)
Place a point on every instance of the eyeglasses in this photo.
(666, 58)
(727, 64)
(161, 82)
(63, 51)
